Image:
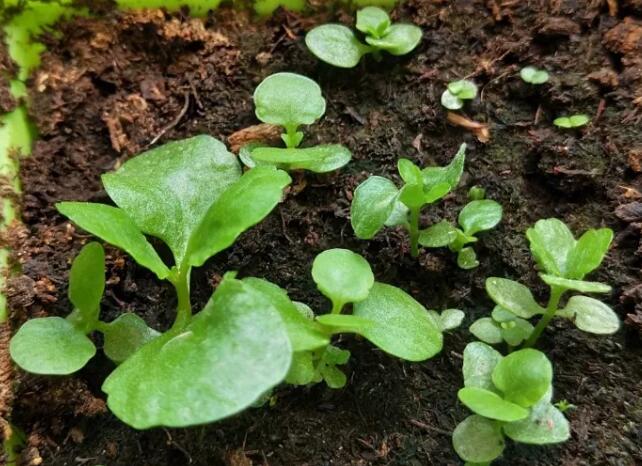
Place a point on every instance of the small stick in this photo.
(173, 123)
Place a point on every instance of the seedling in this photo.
(267, 7)
(532, 75)
(511, 397)
(191, 195)
(477, 216)
(377, 202)
(572, 121)
(457, 92)
(563, 262)
(338, 45)
(290, 100)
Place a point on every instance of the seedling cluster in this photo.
(457, 92)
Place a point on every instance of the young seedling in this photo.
(191, 195)
(339, 46)
(532, 75)
(563, 262)
(511, 397)
(267, 7)
(290, 100)
(377, 202)
(572, 121)
(457, 92)
(477, 216)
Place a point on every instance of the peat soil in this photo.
(108, 88)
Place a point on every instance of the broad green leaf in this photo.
(588, 253)
(577, 285)
(403, 326)
(412, 195)
(409, 172)
(51, 346)
(464, 89)
(336, 44)
(593, 316)
(479, 362)
(372, 204)
(400, 39)
(126, 335)
(450, 319)
(436, 192)
(229, 355)
(551, 244)
(399, 215)
(241, 206)
(532, 75)
(115, 227)
(450, 174)
(168, 190)
(87, 284)
(573, 121)
(513, 296)
(302, 369)
(467, 259)
(499, 314)
(373, 21)
(515, 331)
(490, 405)
(451, 101)
(523, 376)
(478, 440)
(546, 424)
(342, 275)
(318, 159)
(288, 100)
(438, 235)
(481, 215)
(487, 331)
(303, 332)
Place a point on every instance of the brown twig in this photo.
(174, 122)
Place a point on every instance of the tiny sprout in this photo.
(458, 91)
(532, 75)
(564, 406)
(476, 193)
(572, 121)
(339, 46)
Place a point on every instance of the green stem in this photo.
(184, 308)
(413, 228)
(290, 137)
(551, 308)
(337, 307)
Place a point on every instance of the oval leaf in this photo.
(372, 205)
(513, 296)
(478, 440)
(479, 362)
(400, 39)
(342, 275)
(450, 319)
(523, 376)
(87, 283)
(467, 259)
(545, 425)
(532, 75)
(516, 331)
(487, 331)
(318, 159)
(593, 316)
(336, 44)
(588, 253)
(451, 101)
(490, 405)
(577, 285)
(126, 335)
(373, 20)
(439, 235)
(551, 243)
(450, 174)
(481, 215)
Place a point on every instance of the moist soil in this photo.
(111, 87)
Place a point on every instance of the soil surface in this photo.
(110, 87)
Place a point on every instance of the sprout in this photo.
(532, 75)
(572, 121)
(458, 91)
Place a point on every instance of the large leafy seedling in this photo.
(563, 262)
(290, 100)
(191, 195)
(377, 202)
(511, 397)
(338, 45)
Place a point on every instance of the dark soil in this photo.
(108, 87)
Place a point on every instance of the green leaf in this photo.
(479, 362)
(126, 335)
(463, 89)
(372, 204)
(451, 101)
(450, 319)
(486, 330)
(450, 174)
(241, 206)
(399, 215)
(409, 172)
(87, 284)
(115, 227)
(302, 369)
(500, 314)
(478, 440)
(412, 195)
(490, 405)
(229, 355)
(345, 323)
(267, 7)
(573, 121)
(288, 100)
(168, 190)
(577, 285)
(467, 259)
(513, 296)
(545, 425)
(402, 327)
(593, 316)
(373, 20)
(331, 357)
(400, 39)
(336, 44)
(532, 75)
(303, 332)
(478, 216)
(318, 159)
(436, 192)
(52, 346)
(342, 275)
(438, 235)
(588, 253)
(333, 377)
(551, 244)
(523, 376)
(515, 331)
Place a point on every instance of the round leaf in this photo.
(516, 331)
(486, 330)
(463, 89)
(51, 345)
(126, 335)
(545, 425)
(490, 405)
(573, 121)
(593, 316)
(481, 215)
(479, 362)
(318, 159)
(478, 440)
(373, 20)
(438, 235)
(451, 101)
(523, 376)
(372, 204)
(342, 275)
(513, 296)
(467, 259)
(532, 75)
(336, 44)
(400, 39)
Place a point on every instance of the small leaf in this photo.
(400, 39)
(577, 285)
(588, 253)
(87, 284)
(451, 319)
(479, 362)
(490, 405)
(399, 215)
(409, 172)
(467, 259)
(333, 377)
(573, 121)
(439, 235)
(126, 335)
(288, 100)
(513, 296)
(267, 7)
(318, 159)
(336, 44)
(463, 89)
(342, 275)
(481, 215)
(302, 369)
(450, 174)
(51, 346)
(478, 440)
(436, 192)
(545, 425)
(551, 244)
(516, 331)
(487, 331)
(532, 75)
(373, 21)
(523, 376)
(412, 195)
(499, 314)
(451, 101)
(593, 316)
(372, 204)
(345, 323)
(403, 326)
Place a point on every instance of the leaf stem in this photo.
(290, 138)
(551, 308)
(413, 228)
(184, 307)
(337, 307)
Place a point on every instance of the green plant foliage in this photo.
(339, 46)
(267, 7)
(533, 75)
(571, 121)
(457, 92)
(126, 335)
